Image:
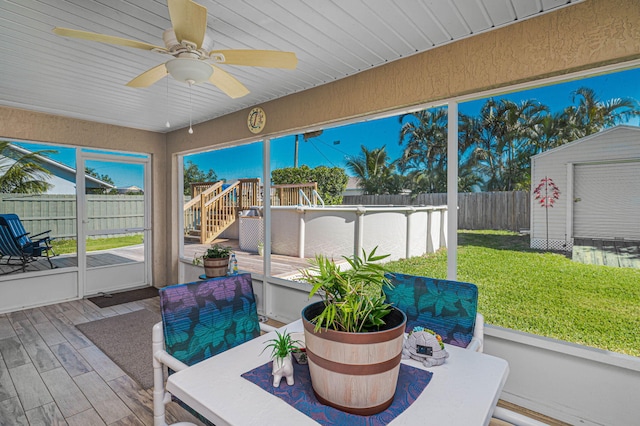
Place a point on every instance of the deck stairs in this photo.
(215, 207)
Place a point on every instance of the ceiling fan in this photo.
(190, 47)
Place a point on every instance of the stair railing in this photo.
(219, 213)
(193, 210)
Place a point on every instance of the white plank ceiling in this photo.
(333, 39)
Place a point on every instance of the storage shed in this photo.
(598, 190)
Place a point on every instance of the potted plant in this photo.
(282, 347)
(215, 260)
(361, 377)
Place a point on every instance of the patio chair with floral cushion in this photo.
(200, 320)
(447, 307)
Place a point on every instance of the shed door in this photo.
(607, 201)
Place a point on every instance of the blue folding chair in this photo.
(20, 246)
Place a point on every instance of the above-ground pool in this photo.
(335, 231)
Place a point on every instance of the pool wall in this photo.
(335, 231)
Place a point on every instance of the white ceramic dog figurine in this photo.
(282, 367)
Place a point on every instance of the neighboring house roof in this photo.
(352, 187)
(353, 182)
(60, 170)
(128, 189)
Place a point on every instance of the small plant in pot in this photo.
(281, 349)
(362, 377)
(215, 260)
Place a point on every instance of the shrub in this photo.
(332, 181)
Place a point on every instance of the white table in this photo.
(463, 391)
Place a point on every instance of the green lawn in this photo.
(94, 244)
(543, 293)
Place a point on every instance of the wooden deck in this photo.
(281, 266)
(617, 253)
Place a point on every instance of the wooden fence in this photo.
(476, 210)
(57, 213)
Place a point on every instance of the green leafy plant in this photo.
(354, 298)
(216, 251)
(282, 345)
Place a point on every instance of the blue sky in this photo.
(334, 146)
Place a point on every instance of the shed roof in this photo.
(570, 145)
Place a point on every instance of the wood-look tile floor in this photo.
(51, 374)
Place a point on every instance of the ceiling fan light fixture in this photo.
(188, 70)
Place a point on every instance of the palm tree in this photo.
(22, 172)
(548, 133)
(591, 115)
(375, 172)
(425, 154)
(500, 141)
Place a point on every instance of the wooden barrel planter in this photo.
(215, 266)
(354, 372)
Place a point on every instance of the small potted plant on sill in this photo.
(354, 312)
(282, 347)
(215, 261)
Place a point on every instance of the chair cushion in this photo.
(205, 318)
(447, 307)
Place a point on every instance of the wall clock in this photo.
(256, 120)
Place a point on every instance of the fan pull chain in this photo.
(167, 124)
(190, 107)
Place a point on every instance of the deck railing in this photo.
(249, 193)
(290, 194)
(199, 187)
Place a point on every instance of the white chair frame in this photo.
(162, 360)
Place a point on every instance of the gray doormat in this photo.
(126, 339)
(124, 297)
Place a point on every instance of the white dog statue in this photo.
(282, 367)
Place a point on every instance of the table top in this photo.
(463, 391)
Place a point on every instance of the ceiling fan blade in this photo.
(227, 83)
(103, 38)
(149, 77)
(189, 20)
(258, 58)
